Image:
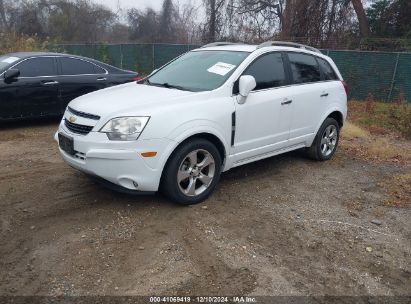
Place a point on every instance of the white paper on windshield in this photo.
(10, 59)
(221, 68)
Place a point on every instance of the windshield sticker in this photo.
(221, 68)
(10, 59)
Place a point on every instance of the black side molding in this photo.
(233, 126)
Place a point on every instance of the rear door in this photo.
(79, 77)
(308, 96)
(37, 87)
(332, 91)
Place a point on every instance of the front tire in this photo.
(326, 141)
(192, 172)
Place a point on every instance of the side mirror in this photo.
(246, 85)
(11, 74)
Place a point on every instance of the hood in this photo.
(129, 97)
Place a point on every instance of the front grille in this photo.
(84, 115)
(79, 129)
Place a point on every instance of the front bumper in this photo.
(119, 163)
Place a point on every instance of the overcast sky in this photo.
(125, 4)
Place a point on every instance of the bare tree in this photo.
(257, 20)
(3, 20)
(362, 18)
(166, 22)
(187, 29)
(287, 18)
(213, 22)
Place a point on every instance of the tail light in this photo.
(137, 78)
(345, 86)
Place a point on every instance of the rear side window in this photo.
(328, 71)
(304, 68)
(35, 67)
(99, 70)
(71, 66)
(268, 71)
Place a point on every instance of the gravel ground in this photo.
(281, 226)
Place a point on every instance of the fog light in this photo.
(128, 183)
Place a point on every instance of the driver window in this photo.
(37, 67)
(268, 71)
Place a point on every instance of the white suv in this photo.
(210, 110)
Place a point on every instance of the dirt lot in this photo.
(282, 226)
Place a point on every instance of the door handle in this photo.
(101, 79)
(324, 95)
(49, 82)
(286, 102)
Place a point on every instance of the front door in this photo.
(262, 123)
(10, 107)
(37, 87)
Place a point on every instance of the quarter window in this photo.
(328, 71)
(71, 66)
(35, 67)
(304, 68)
(99, 70)
(268, 71)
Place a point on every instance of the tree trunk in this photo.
(287, 19)
(362, 18)
(212, 24)
(3, 20)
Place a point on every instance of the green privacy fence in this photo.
(383, 74)
(137, 57)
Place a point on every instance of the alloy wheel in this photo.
(329, 140)
(196, 172)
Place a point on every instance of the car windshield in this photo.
(6, 62)
(198, 70)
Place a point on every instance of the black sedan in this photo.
(36, 85)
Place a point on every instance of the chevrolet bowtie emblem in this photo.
(72, 119)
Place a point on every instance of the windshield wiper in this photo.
(170, 86)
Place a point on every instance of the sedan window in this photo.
(36, 67)
(304, 68)
(99, 70)
(71, 66)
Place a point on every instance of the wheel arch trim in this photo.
(328, 114)
(202, 131)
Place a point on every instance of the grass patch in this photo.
(385, 149)
(12, 42)
(381, 118)
(351, 131)
(376, 147)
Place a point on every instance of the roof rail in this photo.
(288, 44)
(218, 44)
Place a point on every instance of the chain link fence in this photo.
(385, 75)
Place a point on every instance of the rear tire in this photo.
(326, 141)
(192, 172)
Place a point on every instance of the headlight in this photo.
(125, 128)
